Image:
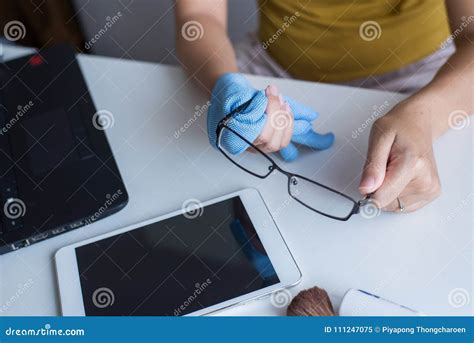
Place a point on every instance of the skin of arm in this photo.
(207, 58)
(400, 161)
(453, 86)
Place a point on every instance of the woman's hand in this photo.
(400, 161)
(288, 122)
(267, 119)
(278, 129)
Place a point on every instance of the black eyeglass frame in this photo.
(274, 166)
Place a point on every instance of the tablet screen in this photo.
(176, 266)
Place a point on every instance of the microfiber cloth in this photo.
(233, 90)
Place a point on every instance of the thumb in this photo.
(380, 144)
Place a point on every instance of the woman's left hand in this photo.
(400, 168)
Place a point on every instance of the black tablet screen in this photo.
(176, 266)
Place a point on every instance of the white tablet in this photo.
(195, 261)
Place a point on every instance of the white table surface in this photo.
(414, 259)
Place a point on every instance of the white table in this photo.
(415, 259)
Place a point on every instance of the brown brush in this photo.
(311, 302)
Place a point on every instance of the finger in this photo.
(275, 142)
(414, 196)
(279, 116)
(410, 203)
(380, 144)
(274, 98)
(399, 173)
(277, 119)
(273, 105)
(265, 136)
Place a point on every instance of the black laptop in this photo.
(57, 171)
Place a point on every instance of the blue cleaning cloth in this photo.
(233, 90)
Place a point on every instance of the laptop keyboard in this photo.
(11, 208)
(9, 218)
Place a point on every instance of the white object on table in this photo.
(422, 260)
(359, 303)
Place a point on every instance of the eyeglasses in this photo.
(311, 194)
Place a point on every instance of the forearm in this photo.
(209, 57)
(451, 90)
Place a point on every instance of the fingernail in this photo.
(367, 183)
(273, 90)
(281, 100)
(267, 91)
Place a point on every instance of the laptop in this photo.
(57, 171)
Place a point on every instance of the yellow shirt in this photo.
(341, 40)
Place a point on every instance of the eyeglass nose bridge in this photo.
(275, 166)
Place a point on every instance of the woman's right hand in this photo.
(269, 120)
(278, 129)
